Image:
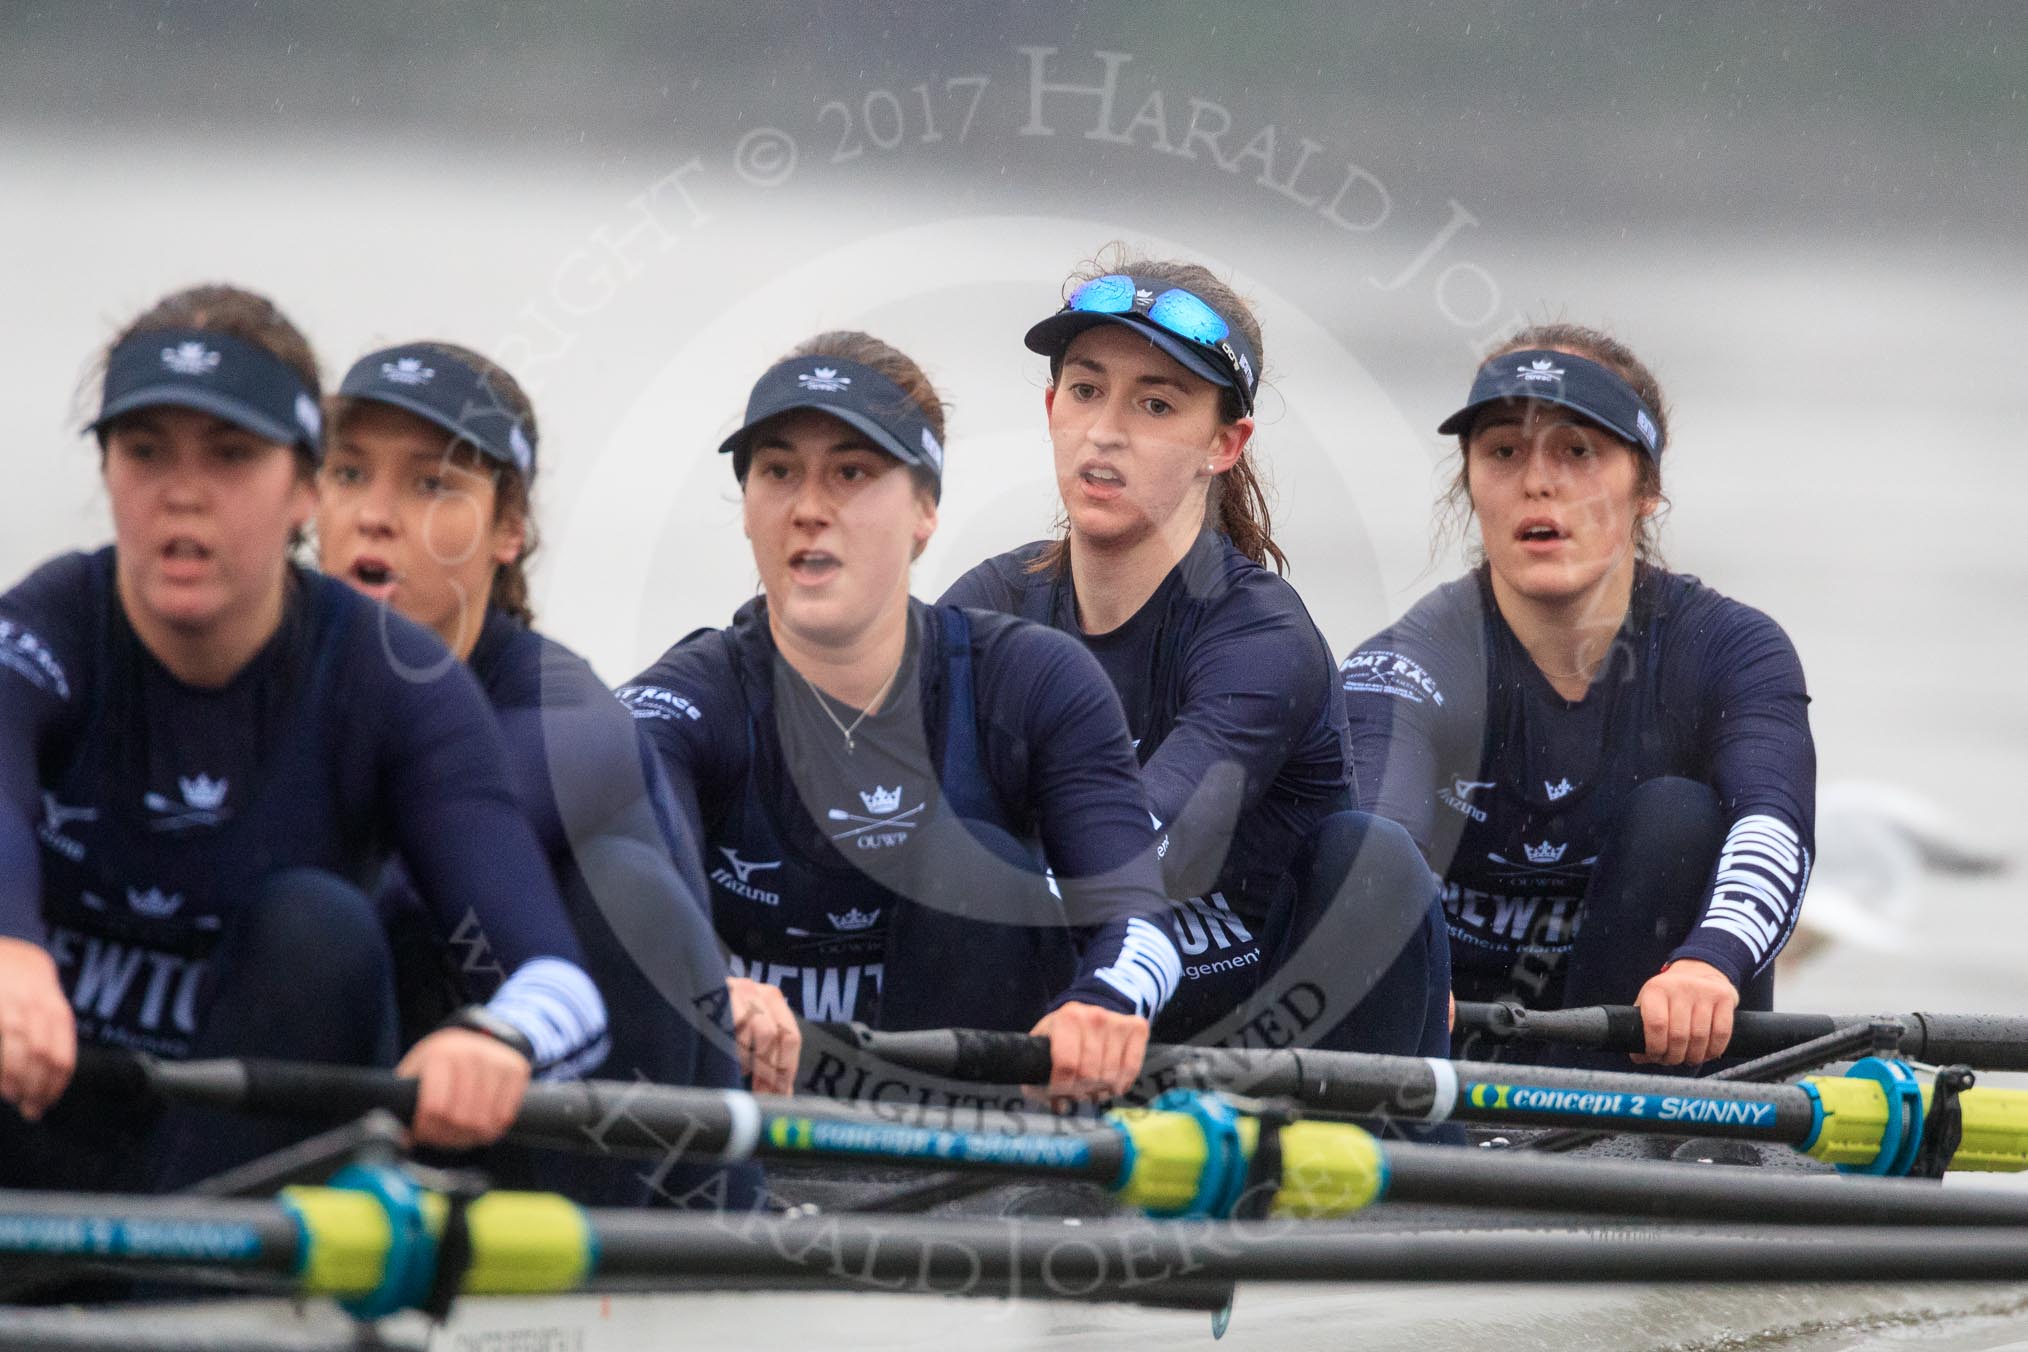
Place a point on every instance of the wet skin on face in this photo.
(409, 518)
(203, 513)
(1557, 499)
(834, 522)
(1137, 438)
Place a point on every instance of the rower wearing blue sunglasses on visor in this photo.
(1175, 319)
(1295, 916)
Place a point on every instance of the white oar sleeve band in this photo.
(1445, 1097)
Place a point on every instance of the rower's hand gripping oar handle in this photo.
(1619, 1028)
(974, 1055)
(1982, 1041)
(250, 1085)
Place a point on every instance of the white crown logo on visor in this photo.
(824, 379)
(1545, 853)
(407, 371)
(882, 800)
(190, 358)
(1542, 368)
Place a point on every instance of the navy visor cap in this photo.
(856, 395)
(1576, 383)
(1189, 329)
(216, 373)
(424, 379)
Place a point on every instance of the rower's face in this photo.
(203, 512)
(1557, 498)
(834, 522)
(1137, 437)
(404, 520)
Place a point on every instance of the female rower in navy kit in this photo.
(1609, 763)
(429, 461)
(204, 750)
(1227, 683)
(861, 766)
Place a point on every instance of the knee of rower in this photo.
(1378, 853)
(304, 912)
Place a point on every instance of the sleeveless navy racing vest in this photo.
(1257, 879)
(1544, 791)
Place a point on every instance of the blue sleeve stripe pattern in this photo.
(1147, 970)
(1762, 873)
(556, 1007)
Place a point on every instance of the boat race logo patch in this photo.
(22, 652)
(1378, 672)
(652, 701)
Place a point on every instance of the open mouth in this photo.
(374, 576)
(1540, 532)
(1102, 477)
(183, 549)
(811, 566)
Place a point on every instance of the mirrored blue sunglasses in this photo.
(1175, 310)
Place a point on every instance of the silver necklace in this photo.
(849, 728)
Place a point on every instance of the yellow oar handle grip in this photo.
(528, 1243)
(1190, 1156)
(1329, 1169)
(1871, 1121)
(1995, 1130)
(372, 1241)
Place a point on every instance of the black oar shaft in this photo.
(1982, 1041)
(1413, 1088)
(147, 1232)
(664, 1121)
(1507, 1181)
(1033, 1259)
(1128, 1258)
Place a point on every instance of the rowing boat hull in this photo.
(1378, 1318)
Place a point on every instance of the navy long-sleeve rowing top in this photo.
(136, 811)
(1510, 789)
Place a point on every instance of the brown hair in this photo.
(512, 490)
(1454, 508)
(863, 348)
(1237, 504)
(237, 313)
